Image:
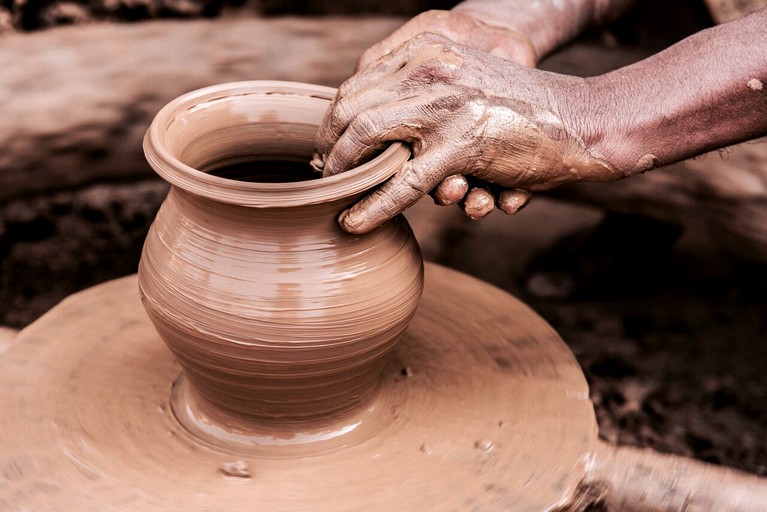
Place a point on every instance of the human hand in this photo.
(464, 112)
(467, 29)
(463, 28)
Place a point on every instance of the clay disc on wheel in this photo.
(482, 407)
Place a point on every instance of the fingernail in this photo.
(451, 190)
(344, 219)
(317, 163)
(511, 201)
(478, 203)
(351, 221)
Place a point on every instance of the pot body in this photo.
(272, 310)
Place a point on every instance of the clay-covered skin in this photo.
(462, 26)
(463, 112)
(516, 30)
(273, 311)
(544, 24)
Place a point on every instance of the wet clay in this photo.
(481, 405)
(275, 314)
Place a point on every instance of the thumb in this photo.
(416, 178)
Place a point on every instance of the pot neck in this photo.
(233, 123)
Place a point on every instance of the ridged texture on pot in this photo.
(277, 314)
(272, 310)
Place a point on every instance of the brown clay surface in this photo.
(274, 312)
(484, 405)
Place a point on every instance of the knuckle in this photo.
(429, 15)
(388, 202)
(414, 178)
(367, 58)
(344, 112)
(366, 124)
(345, 88)
(425, 39)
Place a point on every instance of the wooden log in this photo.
(76, 101)
(722, 197)
(639, 480)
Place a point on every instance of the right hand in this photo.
(462, 28)
(468, 30)
(463, 112)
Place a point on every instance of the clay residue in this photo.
(511, 201)
(755, 84)
(451, 190)
(478, 203)
(646, 163)
(237, 468)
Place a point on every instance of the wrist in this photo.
(592, 118)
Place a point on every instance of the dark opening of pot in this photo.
(267, 171)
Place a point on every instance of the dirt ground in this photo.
(669, 333)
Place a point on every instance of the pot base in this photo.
(242, 436)
(482, 406)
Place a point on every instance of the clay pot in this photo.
(273, 311)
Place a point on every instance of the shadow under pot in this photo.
(274, 313)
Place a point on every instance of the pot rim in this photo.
(254, 194)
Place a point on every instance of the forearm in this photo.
(547, 23)
(706, 92)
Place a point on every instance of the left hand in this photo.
(463, 28)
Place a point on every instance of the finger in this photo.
(510, 201)
(371, 129)
(416, 178)
(451, 190)
(429, 21)
(386, 64)
(478, 203)
(343, 110)
(391, 62)
(376, 86)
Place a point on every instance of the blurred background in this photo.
(657, 283)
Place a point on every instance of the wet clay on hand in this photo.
(463, 112)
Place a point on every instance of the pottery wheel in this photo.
(482, 407)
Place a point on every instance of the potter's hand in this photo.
(471, 29)
(463, 27)
(464, 112)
